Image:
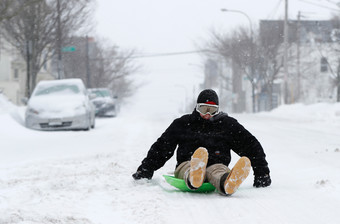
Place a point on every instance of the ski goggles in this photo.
(204, 109)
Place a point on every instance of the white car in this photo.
(60, 105)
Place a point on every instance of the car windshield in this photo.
(65, 89)
(101, 93)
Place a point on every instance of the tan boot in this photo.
(237, 175)
(198, 164)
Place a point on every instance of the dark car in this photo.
(105, 103)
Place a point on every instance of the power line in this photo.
(274, 11)
(321, 6)
(168, 54)
(333, 2)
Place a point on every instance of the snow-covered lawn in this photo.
(81, 177)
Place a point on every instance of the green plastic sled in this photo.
(180, 184)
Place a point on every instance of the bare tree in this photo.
(30, 32)
(270, 63)
(71, 16)
(117, 66)
(107, 65)
(38, 27)
(8, 10)
(243, 51)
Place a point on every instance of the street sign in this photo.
(68, 49)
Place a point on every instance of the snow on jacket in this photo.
(219, 136)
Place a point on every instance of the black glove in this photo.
(142, 174)
(262, 181)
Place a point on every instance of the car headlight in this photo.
(97, 104)
(81, 108)
(32, 110)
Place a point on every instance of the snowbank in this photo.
(8, 109)
(329, 112)
(5, 105)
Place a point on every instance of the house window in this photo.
(323, 65)
(16, 74)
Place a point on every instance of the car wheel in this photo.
(88, 127)
(93, 124)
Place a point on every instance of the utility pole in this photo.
(252, 67)
(59, 43)
(28, 67)
(285, 59)
(338, 81)
(87, 63)
(298, 55)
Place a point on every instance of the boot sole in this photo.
(198, 165)
(237, 175)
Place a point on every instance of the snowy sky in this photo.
(158, 26)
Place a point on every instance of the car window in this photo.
(57, 90)
(101, 93)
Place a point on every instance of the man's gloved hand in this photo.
(262, 180)
(142, 174)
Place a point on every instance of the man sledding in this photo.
(204, 140)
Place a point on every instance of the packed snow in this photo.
(84, 177)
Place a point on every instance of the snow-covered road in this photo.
(85, 177)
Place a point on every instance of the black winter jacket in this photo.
(218, 135)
